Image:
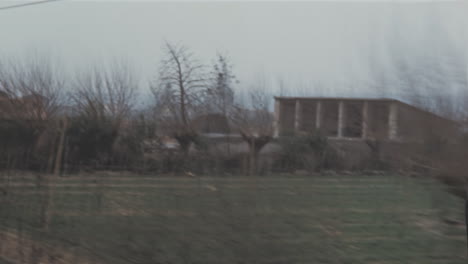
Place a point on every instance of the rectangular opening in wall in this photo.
(378, 120)
(410, 124)
(309, 112)
(329, 118)
(288, 112)
(352, 126)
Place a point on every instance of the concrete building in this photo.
(358, 119)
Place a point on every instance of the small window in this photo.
(329, 118)
(288, 112)
(309, 114)
(378, 120)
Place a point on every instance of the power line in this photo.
(27, 4)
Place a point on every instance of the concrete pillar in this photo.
(393, 121)
(277, 119)
(297, 116)
(365, 120)
(318, 115)
(341, 116)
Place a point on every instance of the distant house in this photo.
(168, 143)
(211, 124)
(215, 127)
(358, 119)
(22, 128)
(29, 107)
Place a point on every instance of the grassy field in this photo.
(326, 219)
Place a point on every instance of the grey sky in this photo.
(303, 43)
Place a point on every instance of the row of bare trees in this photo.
(87, 118)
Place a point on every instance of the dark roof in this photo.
(211, 123)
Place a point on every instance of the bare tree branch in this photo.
(178, 91)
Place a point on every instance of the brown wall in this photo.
(361, 119)
(308, 114)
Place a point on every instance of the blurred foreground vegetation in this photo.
(121, 218)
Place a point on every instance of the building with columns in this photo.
(358, 119)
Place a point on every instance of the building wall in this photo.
(378, 120)
(329, 118)
(358, 119)
(417, 125)
(353, 119)
(286, 118)
(308, 116)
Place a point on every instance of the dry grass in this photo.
(338, 219)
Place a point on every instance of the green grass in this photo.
(336, 219)
(3, 261)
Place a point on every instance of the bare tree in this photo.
(32, 94)
(34, 85)
(442, 153)
(103, 99)
(254, 122)
(106, 93)
(220, 93)
(178, 90)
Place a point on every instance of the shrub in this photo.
(20, 144)
(90, 141)
(310, 151)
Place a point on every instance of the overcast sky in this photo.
(336, 44)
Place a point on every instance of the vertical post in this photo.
(277, 118)
(365, 119)
(340, 118)
(59, 154)
(466, 218)
(297, 116)
(393, 122)
(318, 115)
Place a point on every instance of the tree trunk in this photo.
(255, 144)
(253, 160)
(48, 184)
(59, 155)
(466, 220)
(182, 105)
